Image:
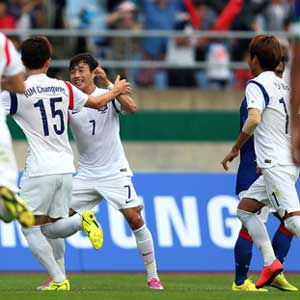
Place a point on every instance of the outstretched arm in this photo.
(253, 120)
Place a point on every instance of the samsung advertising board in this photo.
(192, 217)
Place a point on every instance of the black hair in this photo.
(86, 58)
(35, 52)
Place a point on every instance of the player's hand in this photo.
(100, 73)
(258, 170)
(229, 157)
(122, 86)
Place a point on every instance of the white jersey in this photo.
(10, 62)
(10, 65)
(270, 94)
(97, 135)
(42, 113)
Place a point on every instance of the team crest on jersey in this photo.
(103, 109)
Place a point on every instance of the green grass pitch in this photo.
(132, 286)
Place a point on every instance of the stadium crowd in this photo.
(180, 52)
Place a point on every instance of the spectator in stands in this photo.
(29, 14)
(7, 21)
(181, 52)
(125, 17)
(89, 14)
(159, 15)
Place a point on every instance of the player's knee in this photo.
(135, 220)
(293, 225)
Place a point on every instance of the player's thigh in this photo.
(280, 185)
(62, 197)
(8, 166)
(84, 195)
(119, 192)
(38, 192)
(264, 212)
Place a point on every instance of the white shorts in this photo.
(8, 165)
(263, 213)
(276, 189)
(48, 195)
(117, 190)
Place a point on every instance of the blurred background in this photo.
(187, 63)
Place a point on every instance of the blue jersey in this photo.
(297, 8)
(246, 174)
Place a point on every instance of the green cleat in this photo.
(17, 207)
(61, 286)
(92, 229)
(281, 283)
(247, 286)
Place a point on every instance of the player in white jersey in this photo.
(104, 172)
(11, 206)
(42, 113)
(268, 118)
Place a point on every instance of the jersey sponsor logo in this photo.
(75, 112)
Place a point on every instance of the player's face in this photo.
(82, 77)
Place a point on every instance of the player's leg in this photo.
(84, 198)
(120, 193)
(12, 207)
(144, 242)
(41, 203)
(247, 210)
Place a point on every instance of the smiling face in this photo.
(82, 77)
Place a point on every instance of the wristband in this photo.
(110, 86)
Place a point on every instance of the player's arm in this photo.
(253, 120)
(14, 83)
(127, 103)
(120, 87)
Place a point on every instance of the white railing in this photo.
(72, 33)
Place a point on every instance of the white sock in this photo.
(42, 250)
(58, 248)
(257, 230)
(62, 228)
(293, 225)
(145, 246)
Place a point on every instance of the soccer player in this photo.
(268, 119)
(295, 84)
(42, 113)
(246, 175)
(11, 206)
(104, 172)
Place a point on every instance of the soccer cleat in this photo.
(281, 283)
(155, 284)
(269, 273)
(17, 207)
(45, 284)
(55, 286)
(247, 286)
(92, 229)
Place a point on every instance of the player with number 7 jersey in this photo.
(42, 113)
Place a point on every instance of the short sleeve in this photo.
(255, 97)
(79, 99)
(14, 64)
(6, 103)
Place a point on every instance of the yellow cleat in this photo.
(247, 286)
(92, 229)
(17, 207)
(61, 286)
(281, 283)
